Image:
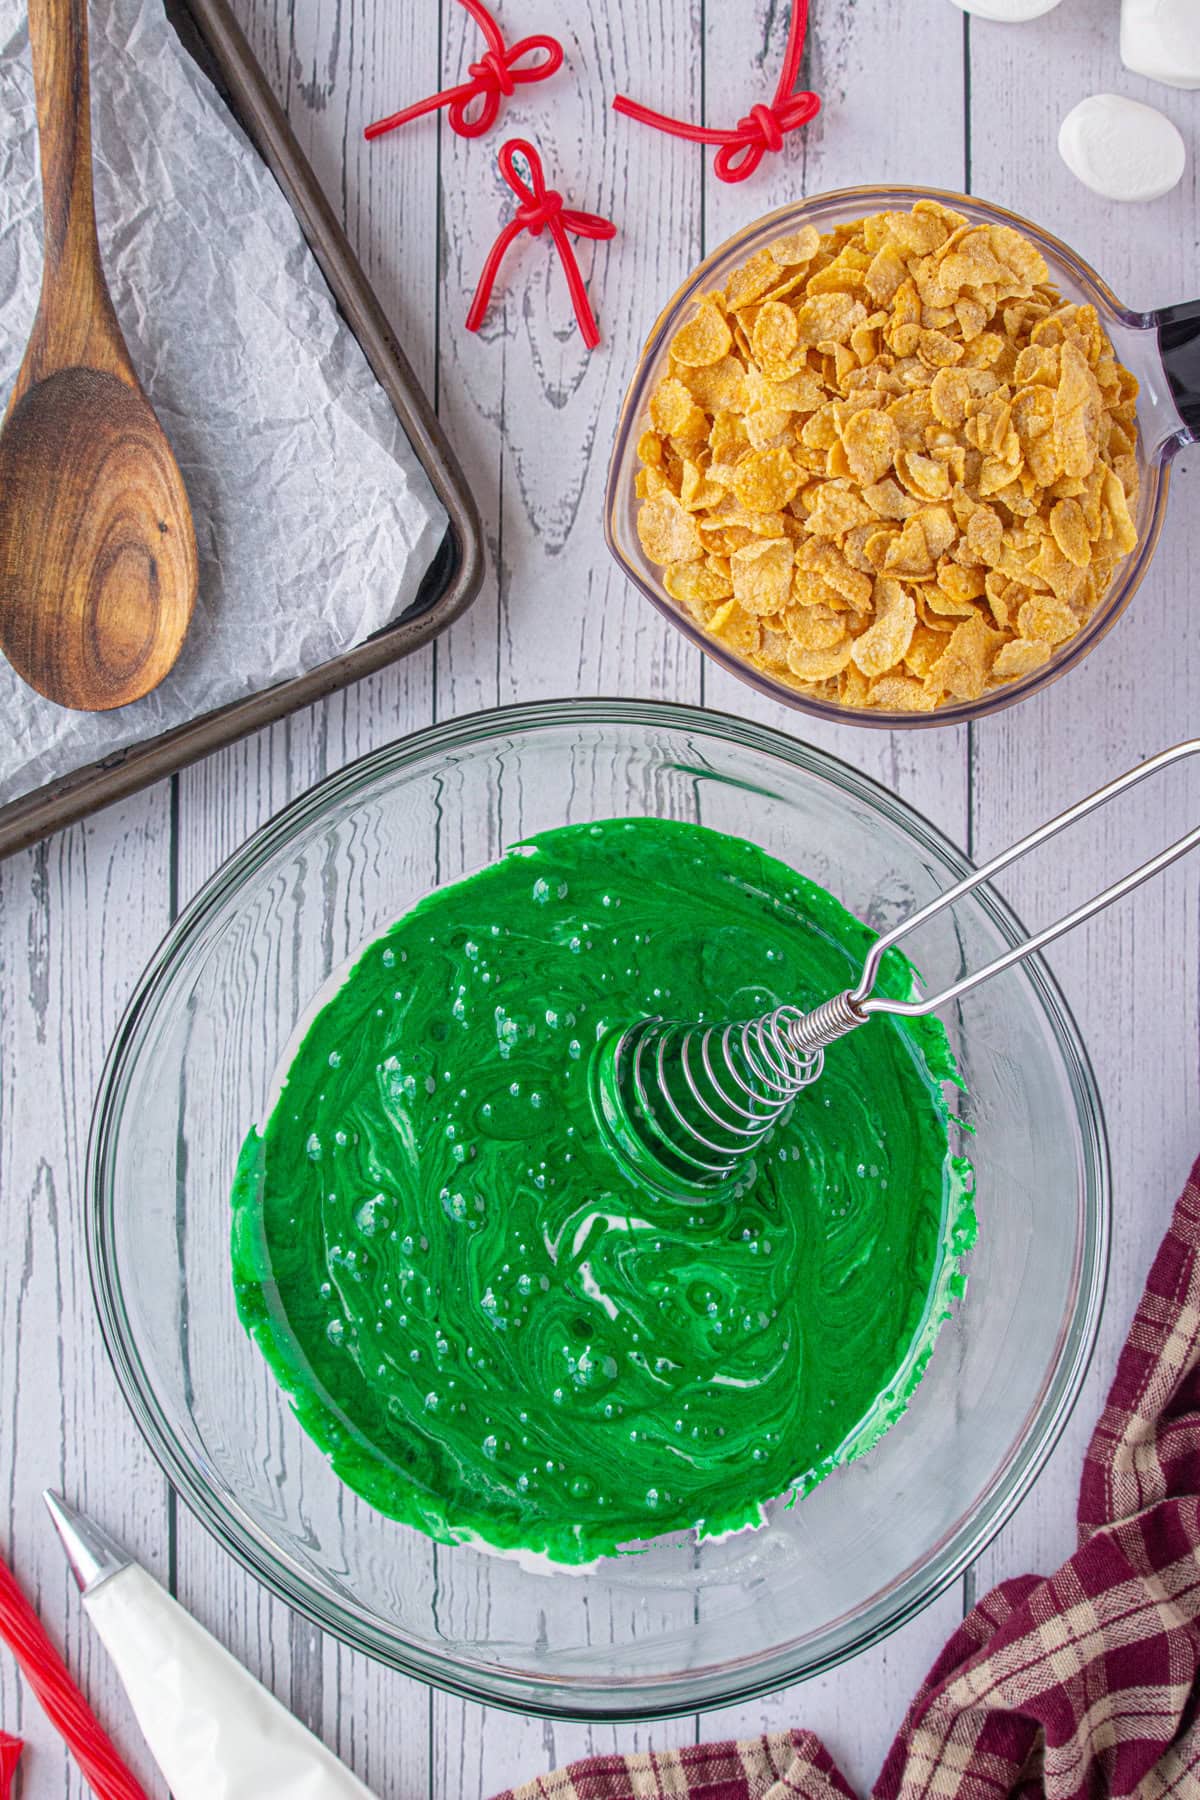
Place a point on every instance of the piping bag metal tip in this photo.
(91, 1552)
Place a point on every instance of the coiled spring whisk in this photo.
(685, 1105)
(701, 1098)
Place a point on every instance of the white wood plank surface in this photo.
(912, 92)
(79, 913)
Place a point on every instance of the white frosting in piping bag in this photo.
(1122, 149)
(214, 1731)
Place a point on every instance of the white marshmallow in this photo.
(1007, 12)
(1122, 149)
(1161, 39)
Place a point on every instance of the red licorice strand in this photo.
(61, 1700)
(10, 1756)
(541, 209)
(495, 77)
(763, 129)
(491, 268)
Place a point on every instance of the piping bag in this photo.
(214, 1731)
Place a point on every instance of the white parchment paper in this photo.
(315, 522)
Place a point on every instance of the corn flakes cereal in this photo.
(697, 585)
(761, 572)
(674, 414)
(1047, 620)
(819, 665)
(871, 441)
(703, 340)
(961, 669)
(765, 480)
(800, 247)
(883, 645)
(775, 339)
(890, 464)
(668, 533)
(734, 625)
(1019, 657)
(900, 693)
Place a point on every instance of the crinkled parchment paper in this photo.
(315, 520)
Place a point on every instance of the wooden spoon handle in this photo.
(76, 323)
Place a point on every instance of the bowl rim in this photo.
(544, 1693)
(1110, 610)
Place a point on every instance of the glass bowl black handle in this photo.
(1179, 344)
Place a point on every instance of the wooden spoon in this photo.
(98, 565)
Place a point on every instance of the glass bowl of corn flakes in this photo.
(894, 456)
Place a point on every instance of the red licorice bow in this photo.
(541, 209)
(763, 129)
(495, 77)
(61, 1700)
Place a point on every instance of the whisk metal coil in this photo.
(694, 1101)
(689, 1103)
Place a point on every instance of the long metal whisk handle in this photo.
(693, 1101)
(861, 998)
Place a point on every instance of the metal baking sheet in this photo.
(210, 32)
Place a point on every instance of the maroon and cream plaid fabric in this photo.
(1078, 1686)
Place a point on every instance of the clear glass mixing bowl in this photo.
(685, 1624)
(1161, 348)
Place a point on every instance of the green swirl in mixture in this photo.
(490, 1329)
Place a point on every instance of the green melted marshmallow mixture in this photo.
(494, 1333)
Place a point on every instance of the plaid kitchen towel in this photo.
(1079, 1686)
